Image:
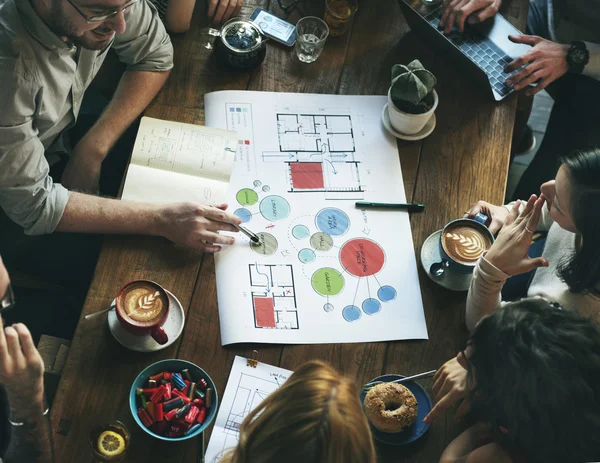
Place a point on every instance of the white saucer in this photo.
(173, 327)
(430, 254)
(385, 118)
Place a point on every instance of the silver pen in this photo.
(253, 236)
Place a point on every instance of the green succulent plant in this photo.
(412, 87)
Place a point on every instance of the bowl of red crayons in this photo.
(173, 400)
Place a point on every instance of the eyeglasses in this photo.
(102, 17)
(288, 5)
(8, 301)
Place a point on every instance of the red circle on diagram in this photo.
(362, 257)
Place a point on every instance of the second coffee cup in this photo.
(142, 307)
(462, 243)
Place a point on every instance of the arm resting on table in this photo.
(93, 214)
(135, 92)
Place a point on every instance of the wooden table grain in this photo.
(465, 159)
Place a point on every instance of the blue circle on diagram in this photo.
(306, 255)
(332, 221)
(351, 313)
(243, 214)
(371, 306)
(386, 293)
(274, 208)
(300, 232)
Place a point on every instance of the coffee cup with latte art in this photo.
(142, 308)
(463, 242)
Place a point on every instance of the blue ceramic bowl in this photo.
(173, 365)
(418, 428)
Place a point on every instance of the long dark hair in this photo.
(581, 272)
(536, 371)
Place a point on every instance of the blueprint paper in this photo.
(325, 271)
(246, 388)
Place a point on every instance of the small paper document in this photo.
(247, 387)
(174, 162)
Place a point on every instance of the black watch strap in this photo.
(578, 57)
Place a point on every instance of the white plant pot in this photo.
(406, 123)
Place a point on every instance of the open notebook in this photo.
(174, 162)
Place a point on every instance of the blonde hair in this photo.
(314, 417)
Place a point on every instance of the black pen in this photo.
(396, 206)
(253, 236)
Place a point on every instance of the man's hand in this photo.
(509, 253)
(82, 172)
(449, 386)
(220, 11)
(197, 226)
(497, 214)
(21, 371)
(544, 63)
(456, 12)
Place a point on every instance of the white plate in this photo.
(385, 118)
(430, 254)
(146, 343)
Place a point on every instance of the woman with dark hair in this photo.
(568, 270)
(531, 378)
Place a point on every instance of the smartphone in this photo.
(274, 28)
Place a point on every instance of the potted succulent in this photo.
(411, 97)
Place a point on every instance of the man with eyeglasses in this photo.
(50, 50)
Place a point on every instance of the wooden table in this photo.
(465, 159)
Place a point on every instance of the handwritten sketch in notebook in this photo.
(246, 388)
(172, 161)
(325, 271)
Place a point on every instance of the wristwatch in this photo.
(578, 57)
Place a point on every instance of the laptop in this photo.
(484, 48)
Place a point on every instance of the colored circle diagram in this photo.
(362, 257)
(247, 197)
(300, 232)
(332, 221)
(274, 208)
(327, 281)
(267, 246)
(243, 214)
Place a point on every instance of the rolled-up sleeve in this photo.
(27, 193)
(145, 44)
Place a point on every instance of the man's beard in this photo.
(63, 27)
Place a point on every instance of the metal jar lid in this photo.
(241, 36)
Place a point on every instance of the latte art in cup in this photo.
(465, 244)
(143, 304)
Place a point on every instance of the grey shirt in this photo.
(43, 80)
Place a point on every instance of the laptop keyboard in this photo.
(481, 51)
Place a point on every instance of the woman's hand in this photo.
(456, 12)
(497, 214)
(449, 386)
(509, 252)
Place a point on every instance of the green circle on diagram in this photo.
(306, 255)
(327, 281)
(247, 197)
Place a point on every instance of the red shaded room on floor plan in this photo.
(307, 175)
(264, 310)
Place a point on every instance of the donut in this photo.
(390, 407)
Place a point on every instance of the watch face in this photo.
(578, 56)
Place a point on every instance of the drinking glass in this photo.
(311, 34)
(338, 14)
(116, 427)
